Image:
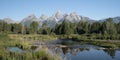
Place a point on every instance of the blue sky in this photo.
(95, 9)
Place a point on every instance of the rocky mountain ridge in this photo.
(58, 18)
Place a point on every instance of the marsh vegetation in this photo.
(18, 37)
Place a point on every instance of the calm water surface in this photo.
(86, 52)
(80, 52)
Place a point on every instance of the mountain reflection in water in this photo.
(85, 52)
(76, 51)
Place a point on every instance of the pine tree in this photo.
(95, 27)
(109, 27)
(1, 26)
(118, 28)
(6, 27)
(16, 28)
(33, 27)
(82, 27)
(64, 28)
(44, 29)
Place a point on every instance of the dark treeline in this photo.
(107, 27)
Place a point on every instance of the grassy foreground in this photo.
(95, 39)
(23, 42)
(18, 41)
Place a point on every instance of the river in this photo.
(76, 51)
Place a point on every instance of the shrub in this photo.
(108, 45)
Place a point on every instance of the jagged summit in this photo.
(58, 14)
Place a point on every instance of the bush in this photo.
(108, 45)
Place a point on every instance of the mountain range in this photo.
(58, 18)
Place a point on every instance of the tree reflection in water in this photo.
(110, 52)
(67, 53)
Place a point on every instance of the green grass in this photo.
(33, 37)
(94, 39)
(24, 41)
(20, 41)
(108, 45)
(40, 55)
